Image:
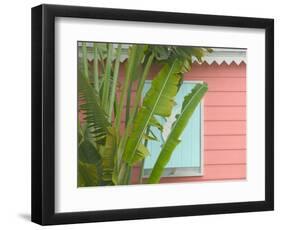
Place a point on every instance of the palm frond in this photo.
(95, 116)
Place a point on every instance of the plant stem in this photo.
(127, 175)
(136, 105)
(138, 96)
(85, 60)
(141, 85)
(115, 105)
(107, 74)
(128, 103)
(115, 77)
(142, 162)
(101, 60)
(125, 87)
(96, 67)
(122, 173)
(128, 181)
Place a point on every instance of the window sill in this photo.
(178, 172)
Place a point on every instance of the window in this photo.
(187, 157)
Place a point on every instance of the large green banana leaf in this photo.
(95, 116)
(159, 100)
(96, 167)
(88, 175)
(183, 53)
(88, 153)
(108, 153)
(89, 165)
(188, 106)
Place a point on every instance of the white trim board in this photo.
(219, 55)
(226, 55)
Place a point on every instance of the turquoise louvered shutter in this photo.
(188, 152)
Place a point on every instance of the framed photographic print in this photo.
(142, 114)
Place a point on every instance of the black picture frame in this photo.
(43, 114)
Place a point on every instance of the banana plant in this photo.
(159, 100)
(105, 154)
(188, 107)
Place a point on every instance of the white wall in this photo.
(15, 113)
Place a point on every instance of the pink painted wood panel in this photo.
(222, 84)
(225, 127)
(224, 142)
(225, 98)
(214, 157)
(230, 113)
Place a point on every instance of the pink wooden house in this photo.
(222, 132)
(214, 144)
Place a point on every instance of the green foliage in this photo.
(89, 165)
(136, 53)
(184, 53)
(108, 157)
(188, 106)
(159, 100)
(88, 153)
(105, 154)
(88, 175)
(94, 114)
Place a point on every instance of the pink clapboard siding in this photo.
(224, 122)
